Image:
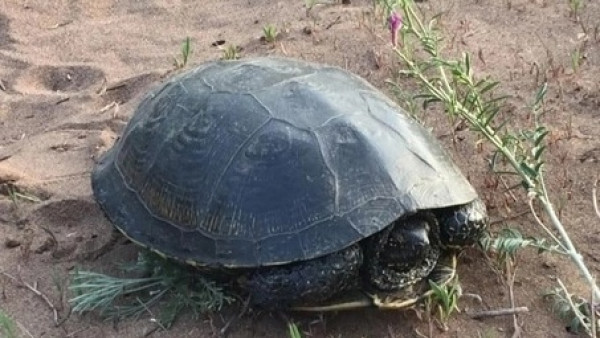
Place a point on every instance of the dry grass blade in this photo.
(595, 198)
(177, 288)
(593, 315)
(499, 312)
(35, 290)
(24, 329)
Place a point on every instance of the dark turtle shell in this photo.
(267, 161)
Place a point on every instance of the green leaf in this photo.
(423, 96)
(538, 151)
(538, 168)
(467, 64)
(489, 86)
(490, 116)
(293, 331)
(528, 170)
(496, 99)
(539, 135)
(540, 95)
(502, 124)
(427, 102)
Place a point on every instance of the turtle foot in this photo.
(443, 274)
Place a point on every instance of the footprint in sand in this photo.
(5, 38)
(73, 227)
(127, 89)
(10, 67)
(60, 79)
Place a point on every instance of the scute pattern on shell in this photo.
(267, 161)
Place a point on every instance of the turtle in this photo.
(300, 182)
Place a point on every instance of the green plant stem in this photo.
(487, 131)
(535, 185)
(572, 305)
(550, 233)
(571, 250)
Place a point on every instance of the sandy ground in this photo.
(72, 72)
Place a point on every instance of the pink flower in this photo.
(395, 23)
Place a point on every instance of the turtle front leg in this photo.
(443, 273)
(403, 254)
(308, 282)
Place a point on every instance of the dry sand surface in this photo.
(72, 72)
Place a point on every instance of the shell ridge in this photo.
(331, 170)
(396, 132)
(385, 125)
(292, 232)
(261, 104)
(332, 119)
(233, 157)
(183, 87)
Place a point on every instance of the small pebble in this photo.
(11, 243)
(548, 264)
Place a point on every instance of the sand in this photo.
(72, 72)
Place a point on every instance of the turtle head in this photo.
(464, 225)
(408, 243)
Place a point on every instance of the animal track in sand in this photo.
(5, 37)
(127, 89)
(61, 79)
(77, 225)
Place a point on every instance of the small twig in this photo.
(116, 86)
(60, 24)
(65, 318)
(107, 107)
(55, 246)
(151, 332)
(64, 99)
(499, 312)
(509, 218)
(418, 333)
(24, 329)
(595, 198)
(511, 284)
(593, 309)
(227, 325)
(35, 290)
(508, 189)
(567, 297)
(72, 334)
(102, 90)
(541, 224)
(474, 296)
(152, 316)
(213, 328)
(335, 22)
